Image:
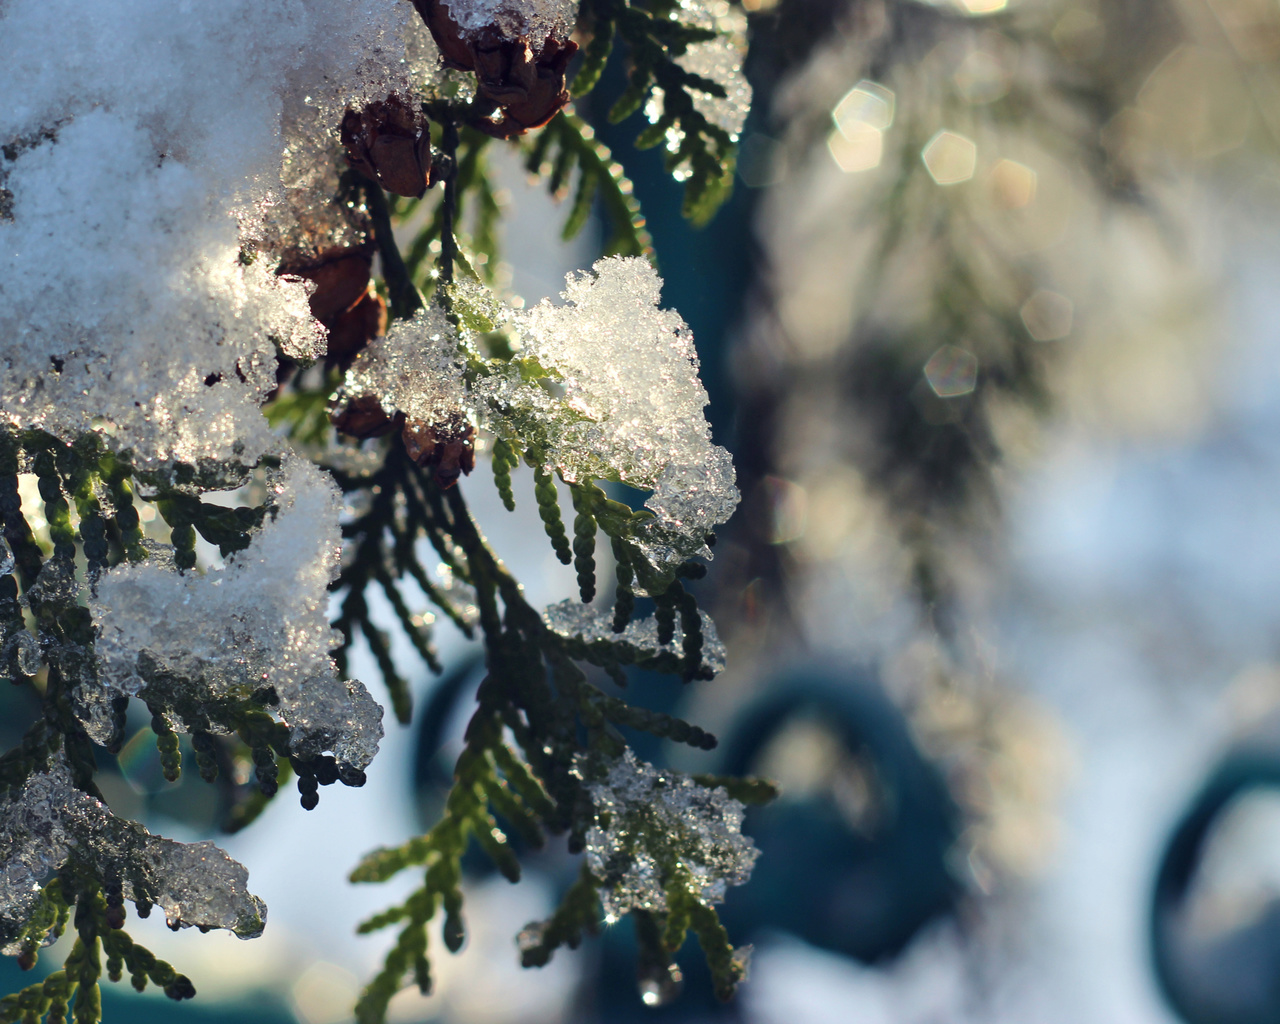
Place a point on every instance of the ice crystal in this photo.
(28, 650)
(56, 584)
(625, 402)
(261, 621)
(654, 829)
(719, 60)
(307, 220)
(534, 20)
(51, 821)
(94, 706)
(416, 369)
(531, 936)
(572, 618)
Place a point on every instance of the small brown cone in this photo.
(389, 142)
(341, 277)
(352, 329)
(447, 33)
(448, 446)
(364, 417)
(523, 78)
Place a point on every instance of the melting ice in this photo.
(631, 406)
(50, 820)
(655, 828)
(572, 618)
(260, 621)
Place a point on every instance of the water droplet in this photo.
(661, 985)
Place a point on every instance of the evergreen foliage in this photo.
(541, 709)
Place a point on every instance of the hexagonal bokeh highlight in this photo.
(861, 117)
(867, 103)
(1013, 184)
(858, 150)
(950, 158)
(1047, 315)
(977, 8)
(952, 371)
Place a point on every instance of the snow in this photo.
(158, 159)
(142, 139)
(261, 621)
(193, 883)
(655, 828)
(719, 60)
(534, 20)
(626, 403)
(572, 618)
(416, 369)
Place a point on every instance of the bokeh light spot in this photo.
(789, 506)
(324, 994)
(981, 77)
(868, 104)
(1047, 315)
(140, 765)
(978, 8)
(952, 371)
(1014, 184)
(861, 117)
(1198, 103)
(857, 151)
(950, 158)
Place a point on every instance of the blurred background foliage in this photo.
(991, 324)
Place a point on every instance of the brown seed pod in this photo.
(352, 329)
(364, 417)
(531, 92)
(343, 300)
(524, 79)
(341, 277)
(389, 142)
(449, 446)
(454, 48)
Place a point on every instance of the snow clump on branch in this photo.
(624, 402)
(261, 621)
(136, 138)
(655, 831)
(49, 820)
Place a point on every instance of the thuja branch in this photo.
(461, 162)
(522, 762)
(545, 742)
(404, 295)
(568, 141)
(50, 806)
(679, 54)
(449, 205)
(103, 598)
